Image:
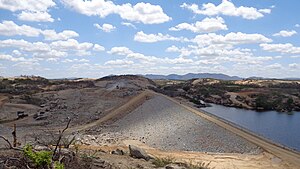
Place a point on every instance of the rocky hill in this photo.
(279, 95)
(193, 76)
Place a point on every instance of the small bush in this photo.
(161, 162)
(58, 165)
(40, 158)
(200, 165)
(89, 154)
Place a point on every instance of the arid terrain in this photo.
(107, 115)
(262, 95)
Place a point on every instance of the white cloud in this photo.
(285, 33)
(213, 50)
(31, 10)
(25, 45)
(55, 49)
(245, 59)
(143, 58)
(9, 28)
(30, 5)
(267, 11)
(297, 25)
(119, 62)
(275, 66)
(128, 24)
(98, 48)
(11, 58)
(141, 12)
(295, 56)
(205, 26)
(71, 44)
(50, 54)
(27, 65)
(230, 38)
(217, 54)
(52, 59)
(151, 38)
(286, 48)
(124, 51)
(183, 51)
(172, 49)
(227, 8)
(64, 35)
(105, 27)
(120, 51)
(35, 16)
(75, 60)
(82, 53)
(294, 66)
(16, 53)
(179, 60)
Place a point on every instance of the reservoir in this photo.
(282, 128)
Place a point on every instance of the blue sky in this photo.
(76, 38)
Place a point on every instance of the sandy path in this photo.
(263, 160)
(220, 160)
(283, 153)
(117, 112)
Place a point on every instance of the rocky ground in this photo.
(136, 155)
(114, 112)
(163, 124)
(48, 110)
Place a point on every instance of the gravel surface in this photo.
(163, 124)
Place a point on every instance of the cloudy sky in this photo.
(94, 38)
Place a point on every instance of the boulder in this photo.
(138, 153)
(118, 152)
(40, 148)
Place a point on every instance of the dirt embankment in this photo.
(283, 153)
(118, 112)
(163, 124)
(169, 129)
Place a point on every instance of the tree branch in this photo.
(10, 146)
(60, 137)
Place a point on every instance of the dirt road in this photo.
(117, 112)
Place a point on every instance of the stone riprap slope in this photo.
(164, 124)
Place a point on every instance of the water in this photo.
(278, 127)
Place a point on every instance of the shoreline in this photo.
(253, 108)
(276, 149)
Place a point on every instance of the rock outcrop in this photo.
(138, 153)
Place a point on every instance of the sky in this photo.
(95, 38)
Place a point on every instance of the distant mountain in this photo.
(193, 76)
(257, 78)
(292, 78)
(264, 78)
(67, 78)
